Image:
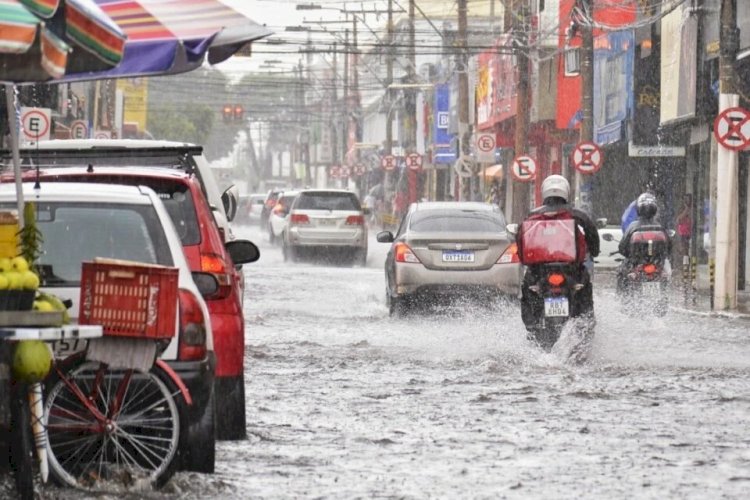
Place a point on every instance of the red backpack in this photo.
(551, 237)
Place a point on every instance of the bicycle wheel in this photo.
(110, 427)
(21, 458)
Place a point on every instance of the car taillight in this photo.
(556, 279)
(192, 344)
(299, 219)
(649, 269)
(510, 255)
(355, 220)
(215, 264)
(404, 254)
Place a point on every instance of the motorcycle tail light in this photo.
(556, 279)
(510, 255)
(404, 254)
(649, 269)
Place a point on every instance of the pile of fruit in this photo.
(16, 275)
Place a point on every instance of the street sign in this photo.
(79, 129)
(523, 168)
(345, 172)
(35, 123)
(485, 148)
(637, 151)
(334, 171)
(102, 134)
(414, 161)
(463, 166)
(388, 163)
(587, 158)
(359, 170)
(732, 128)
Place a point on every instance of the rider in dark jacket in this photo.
(647, 208)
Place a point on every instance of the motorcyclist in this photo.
(555, 193)
(647, 208)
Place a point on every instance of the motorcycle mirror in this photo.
(671, 233)
(601, 223)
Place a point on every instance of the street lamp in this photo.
(297, 28)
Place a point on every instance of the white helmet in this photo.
(557, 186)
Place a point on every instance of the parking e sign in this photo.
(35, 123)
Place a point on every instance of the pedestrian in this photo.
(684, 226)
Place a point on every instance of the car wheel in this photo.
(398, 307)
(271, 237)
(198, 447)
(231, 420)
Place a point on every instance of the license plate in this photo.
(458, 256)
(651, 288)
(327, 222)
(66, 347)
(556, 307)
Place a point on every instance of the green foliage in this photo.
(30, 236)
(190, 124)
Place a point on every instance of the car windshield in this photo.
(464, 221)
(77, 232)
(328, 201)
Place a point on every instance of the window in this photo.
(458, 221)
(572, 61)
(328, 201)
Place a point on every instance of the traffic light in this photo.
(238, 112)
(227, 113)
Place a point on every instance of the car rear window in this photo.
(458, 221)
(179, 203)
(76, 232)
(328, 201)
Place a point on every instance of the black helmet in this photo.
(646, 205)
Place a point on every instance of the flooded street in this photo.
(344, 402)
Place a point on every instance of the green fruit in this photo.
(31, 361)
(4, 264)
(56, 303)
(14, 280)
(43, 306)
(4, 283)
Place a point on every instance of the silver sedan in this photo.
(447, 250)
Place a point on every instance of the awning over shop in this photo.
(173, 36)
(494, 172)
(42, 40)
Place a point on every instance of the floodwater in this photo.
(344, 402)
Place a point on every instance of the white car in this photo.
(606, 261)
(80, 222)
(277, 219)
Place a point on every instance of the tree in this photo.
(193, 124)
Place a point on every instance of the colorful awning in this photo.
(42, 40)
(174, 36)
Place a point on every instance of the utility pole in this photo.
(334, 110)
(464, 133)
(725, 291)
(345, 114)
(388, 82)
(411, 105)
(520, 36)
(583, 193)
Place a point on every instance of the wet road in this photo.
(344, 402)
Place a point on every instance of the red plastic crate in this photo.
(129, 299)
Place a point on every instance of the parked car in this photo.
(448, 250)
(80, 222)
(279, 215)
(324, 221)
(205, 251)
(249, 208)
(128, 152)
(268, 203)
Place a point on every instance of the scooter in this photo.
(556, 287)
(643, 278)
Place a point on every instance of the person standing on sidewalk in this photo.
(684, 226)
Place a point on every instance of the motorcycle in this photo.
(643, 278)
(554, 290)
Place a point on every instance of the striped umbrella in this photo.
(43, 40)
(167, 37)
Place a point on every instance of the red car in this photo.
(204, 249)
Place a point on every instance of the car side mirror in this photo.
(512, 229)
(229, 199)
(207, 283)
(242, 251)
(671, 233)
(384, 237)
(601, 223)
(608, 237)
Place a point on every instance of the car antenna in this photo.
(90, 168)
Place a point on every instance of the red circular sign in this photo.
(35, 124)
(587, 158)
(345, 172)
(732, 128)
(359, 170)
(414, 161)
(334, 171)
(388, 162)
(523, 168)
